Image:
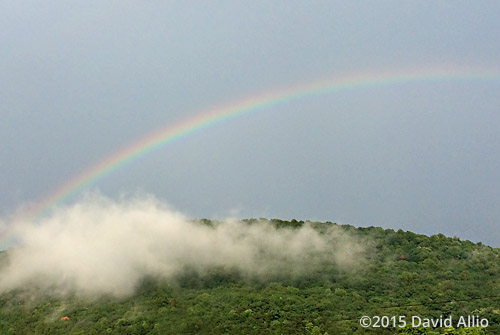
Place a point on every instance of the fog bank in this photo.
(102, 246)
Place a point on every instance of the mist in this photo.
(100, 246)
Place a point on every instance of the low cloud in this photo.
(101, 246)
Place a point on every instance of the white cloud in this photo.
(100, 246)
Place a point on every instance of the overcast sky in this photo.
(80, 80)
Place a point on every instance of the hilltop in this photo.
(394, 273)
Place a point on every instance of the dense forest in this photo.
(399, 274)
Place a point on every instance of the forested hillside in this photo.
(396, 274)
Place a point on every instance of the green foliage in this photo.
(446, 331)
(417, 331)
(402, 274)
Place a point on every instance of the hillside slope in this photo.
(397, 274)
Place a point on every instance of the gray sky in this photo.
(79, 80)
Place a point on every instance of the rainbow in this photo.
(207, 118)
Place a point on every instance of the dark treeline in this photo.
(400, 274)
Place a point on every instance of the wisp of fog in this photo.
(100, 246)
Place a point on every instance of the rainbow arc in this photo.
(212, 116)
